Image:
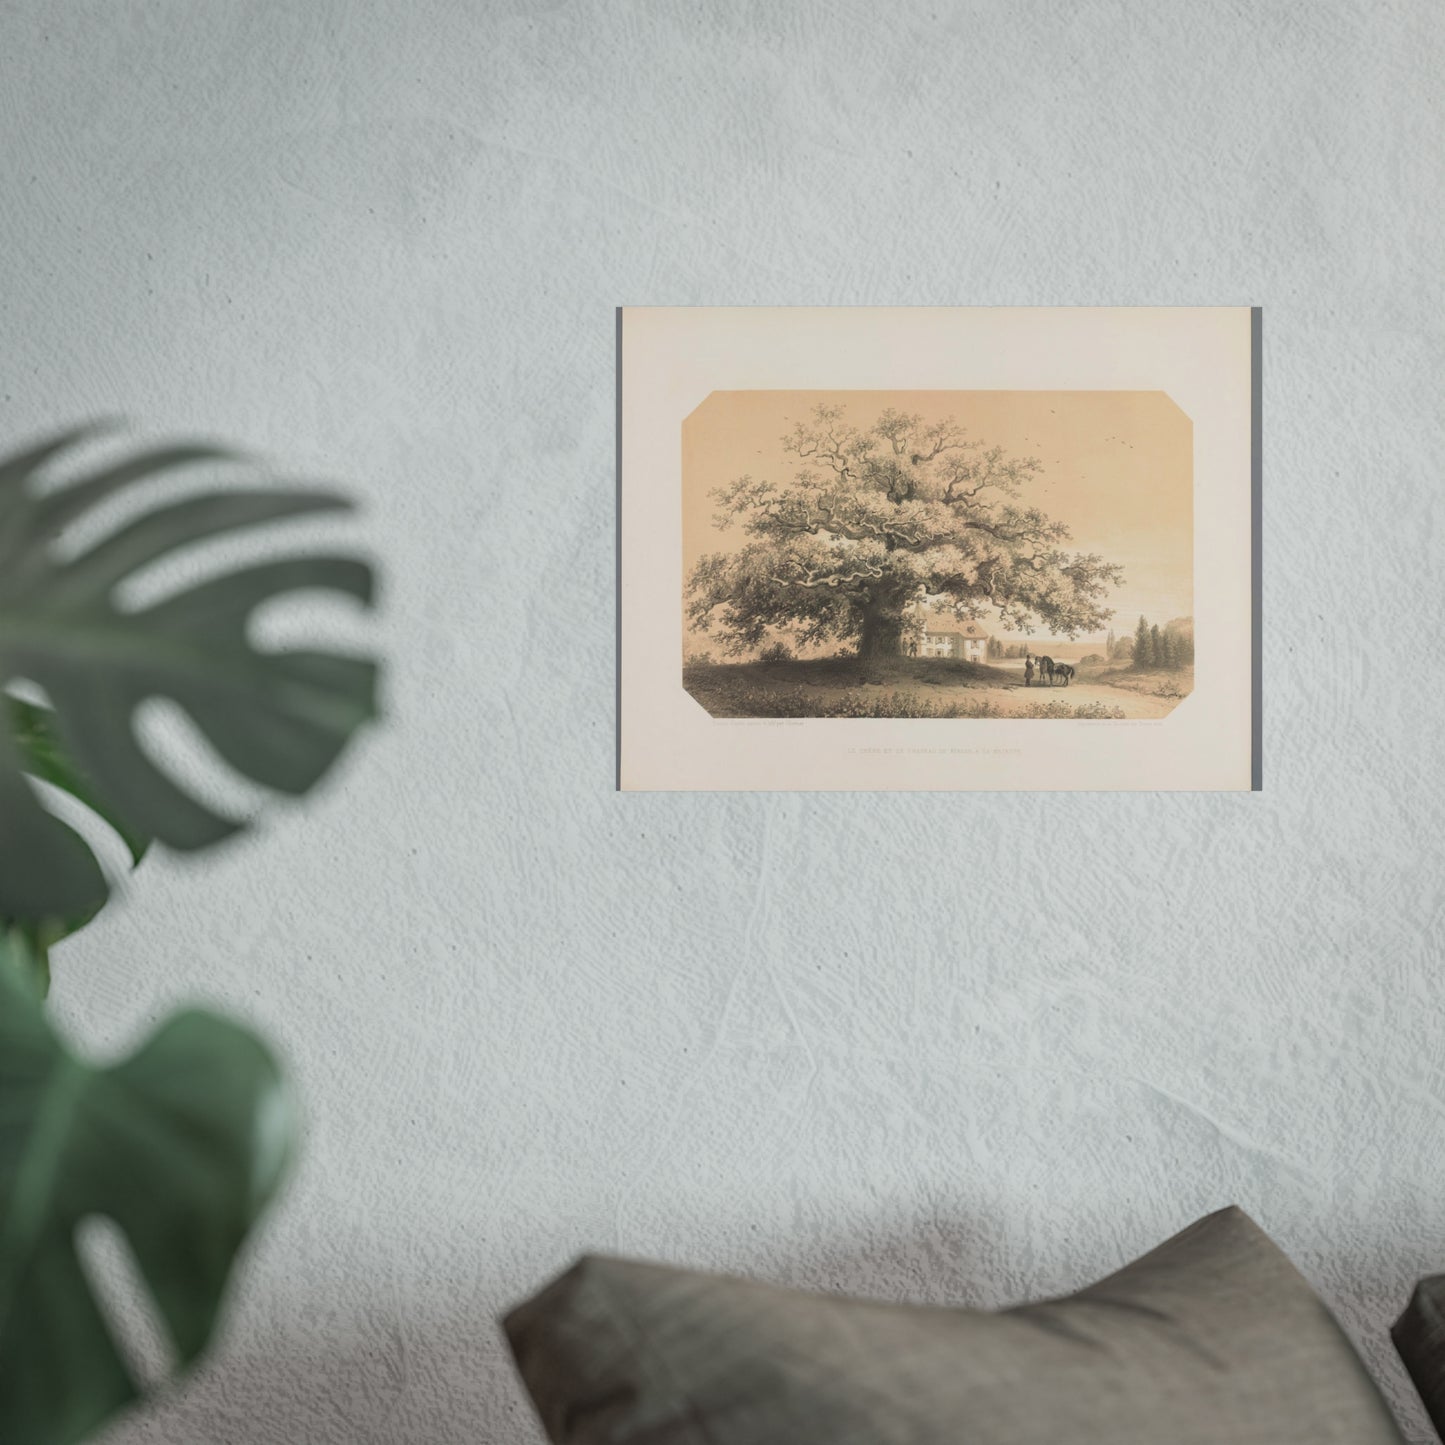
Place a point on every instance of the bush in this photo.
(697, 659)
(776, 652)
(901, 705)
(1084, 711)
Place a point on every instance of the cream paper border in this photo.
(671, 359)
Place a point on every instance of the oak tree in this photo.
(877, 524)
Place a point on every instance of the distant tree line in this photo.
(1151, 646)
(1170, 646)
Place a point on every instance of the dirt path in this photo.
(1133, 703)
(1018, 699)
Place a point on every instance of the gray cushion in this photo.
(1419, 1336)
(1213, 1337)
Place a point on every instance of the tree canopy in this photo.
(1170, 647)
(876, 524)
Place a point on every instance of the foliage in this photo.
(1171, 647)
(798, 702)
(776, 652)
(1078, 712)
(33, 731)
(182, 1145)
(1143, 645)
(280, 718)
(874, 522)
(890, 688)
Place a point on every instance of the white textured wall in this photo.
(382, 242)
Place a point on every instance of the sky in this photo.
(1117, 470)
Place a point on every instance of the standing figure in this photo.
(1028, 670)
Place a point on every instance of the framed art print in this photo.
(918, 548)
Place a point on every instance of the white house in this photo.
(966, 640)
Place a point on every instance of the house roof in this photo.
(942, 626)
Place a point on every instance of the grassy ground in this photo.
(909, 687)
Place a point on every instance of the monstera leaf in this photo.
(35, 733)
(181, 1144)
(280, 718)
(33, 729)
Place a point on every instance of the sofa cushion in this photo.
(1419, 1336)
(1213, 1337)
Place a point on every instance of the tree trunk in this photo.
(881, 633)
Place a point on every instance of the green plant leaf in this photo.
(280, 718)
(35, 731)
(182, 1145)
(42, 756)
(25, 957)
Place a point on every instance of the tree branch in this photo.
(837, 579)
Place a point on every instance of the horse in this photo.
(1046, 669)
(1063, 670)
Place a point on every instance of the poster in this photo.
(954, 549)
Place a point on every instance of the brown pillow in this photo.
(1213, 1338)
